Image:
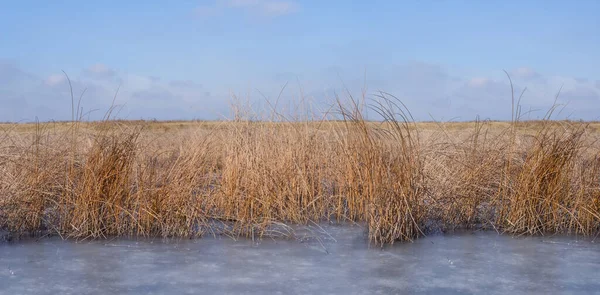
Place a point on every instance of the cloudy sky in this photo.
(186, 59)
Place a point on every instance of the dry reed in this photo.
(250, 177)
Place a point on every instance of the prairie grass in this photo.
(255, 175)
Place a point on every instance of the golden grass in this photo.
(246, 178)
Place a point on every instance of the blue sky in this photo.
(184, 60)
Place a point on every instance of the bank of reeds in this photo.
(253, 177)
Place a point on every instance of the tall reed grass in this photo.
(256, 174)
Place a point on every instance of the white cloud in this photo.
(100, 69)
(185, 84)
(55, 79)
(266, 8)
(582, 93)
(435, 91)
(478, 82)
(25, 96)
(241, 3)
(10, 74)
(429, 90)
(525, 73)
(277, 8)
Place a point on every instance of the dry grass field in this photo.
(401, 179)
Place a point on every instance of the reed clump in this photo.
(173, 187)
(95, 201)
(462, 169)
(31, 169)
(272, 175)
(382, 179)
(540, 192)
(256, 175)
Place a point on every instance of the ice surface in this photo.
(339, 262)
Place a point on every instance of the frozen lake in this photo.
(339, 262)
